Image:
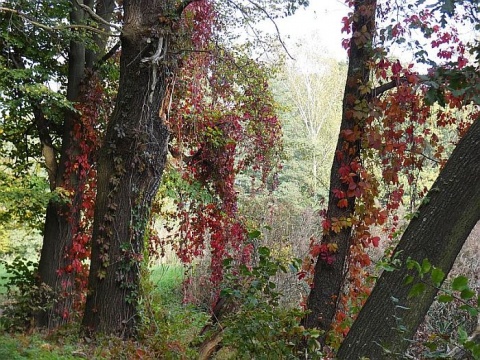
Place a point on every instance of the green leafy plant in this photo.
(457, 292)
(261, 329)
(26, 296)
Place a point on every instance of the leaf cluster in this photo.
(27, 297)
(457, 291)
(260, 328)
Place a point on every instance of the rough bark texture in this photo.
(60, 224)
(323, 299)
(130, 166)
(437, 234)
(58, 230)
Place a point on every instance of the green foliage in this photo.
(458, 291)
(167, 326)
(310, 119)
(19, 347)
(23, 199)
(26, 296)
(261, 329)
(32, 58)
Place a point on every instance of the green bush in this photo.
(258, 327)
(26, 297)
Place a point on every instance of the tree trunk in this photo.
(130, 166)
(61, 221)
(437, 234)
(328, 277)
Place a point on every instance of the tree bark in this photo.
(131, 162)
(59, 225)
(328, 278)
(61, 221)
(437, 234)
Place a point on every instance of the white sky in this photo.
(322, 20)
(319, 26)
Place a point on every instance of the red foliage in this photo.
(222, 122)
(80, 183)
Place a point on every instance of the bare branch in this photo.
(107, 56)
(54, 28)
(96, 17)
(379, 90)
(279, 36)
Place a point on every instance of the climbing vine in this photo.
(398, 121)
(222, 123)
(80, 182)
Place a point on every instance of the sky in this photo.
(321, 23)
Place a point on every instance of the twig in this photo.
(97, 17)
(55, 28)
(107, 56)
(279, 36)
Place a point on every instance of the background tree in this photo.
(396, 307)
(62, 222)
(389, 130)
(314, 92)
(36, 42)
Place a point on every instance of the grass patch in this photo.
(169, 326)
(19, 346)
(167, 278)
(166, 331)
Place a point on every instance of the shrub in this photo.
(26, 297)
(258, 327)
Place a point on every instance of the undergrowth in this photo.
(166, 329)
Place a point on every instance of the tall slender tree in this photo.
(387, 125)
(63, 217)
(35, 39)
(331, 255)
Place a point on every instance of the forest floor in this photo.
(169, 328)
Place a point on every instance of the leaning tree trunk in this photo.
(130, 166)
(437, 234)
(328, 277)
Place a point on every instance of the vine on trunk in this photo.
(398, 133)
(80, 184)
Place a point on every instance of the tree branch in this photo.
(379, 90)
(54, 28)
(96, 17)
(107, 56)
(272, 20)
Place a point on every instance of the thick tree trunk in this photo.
(437, 234)
(130, 166)
(328, 278)
(61, 222)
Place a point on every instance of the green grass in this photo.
(167, 329)
(17, 347)
(175, 323)
(167, 277)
